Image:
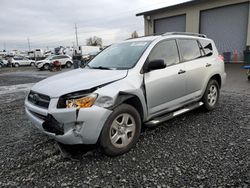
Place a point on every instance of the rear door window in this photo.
(190, 49)
(18, 58)
(167, 51)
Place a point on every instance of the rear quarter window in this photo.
(207, 47)
(190, 49)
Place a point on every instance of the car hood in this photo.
(77, 80)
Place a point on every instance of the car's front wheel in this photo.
(121, 130)
(68, 64)
(46, 66)
(16, 65)
(211, 95)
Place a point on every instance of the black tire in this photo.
(16, 65)
(46, 66)
(209, 99)
(106, 144)
(68, 64)
(32, 64)
(248, 77)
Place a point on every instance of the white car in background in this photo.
(18, 61)
(65, 60)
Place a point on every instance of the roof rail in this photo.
(185, 33)
(151, 35)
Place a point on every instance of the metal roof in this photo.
(181, 5)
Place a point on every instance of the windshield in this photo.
(119, 56)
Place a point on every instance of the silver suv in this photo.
(137, 82)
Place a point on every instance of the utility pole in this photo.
(28, 43)
(76, 35)
(4, 46)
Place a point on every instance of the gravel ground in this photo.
(194, 150)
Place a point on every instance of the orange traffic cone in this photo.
(236, 56)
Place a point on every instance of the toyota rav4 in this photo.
(137, 82)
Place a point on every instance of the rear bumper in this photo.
(65, 126)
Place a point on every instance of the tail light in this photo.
(221, 57)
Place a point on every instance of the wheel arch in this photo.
(217, 77)
(130, 99)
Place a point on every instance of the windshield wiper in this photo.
(102, 68)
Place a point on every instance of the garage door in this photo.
(176, 23)
(227, 26)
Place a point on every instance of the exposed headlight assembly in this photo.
(81, 102)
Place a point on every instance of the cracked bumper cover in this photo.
(82, 129)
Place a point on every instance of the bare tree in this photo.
(134, 35)
(94, 41)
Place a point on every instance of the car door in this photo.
(18, 60)
(165, 87)
(64, 60)
(60, 59)
(195, 66)
(54, 58)
(26, 61)
(23, 61)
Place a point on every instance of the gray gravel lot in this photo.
(196, 149)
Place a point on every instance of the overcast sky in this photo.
(50, 23)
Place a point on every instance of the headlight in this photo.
(82, 102)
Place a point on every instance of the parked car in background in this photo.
(90, 56)
(2, 64)
(65, 60)
(5, 62)
(85, 50)
(17, 61)
(137, 82)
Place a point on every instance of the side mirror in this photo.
(156, 65)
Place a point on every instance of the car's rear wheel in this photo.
(121, 131)
(211, 95)
(249, 78)
(32, 64)
(16, 65)
(46, 66)
(68, 64)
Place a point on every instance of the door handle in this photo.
(208, 65)
(181, 71)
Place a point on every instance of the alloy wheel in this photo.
(122, 130)
(212, 95)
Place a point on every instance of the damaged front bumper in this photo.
(66, 125)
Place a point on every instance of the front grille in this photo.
(39, 99)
